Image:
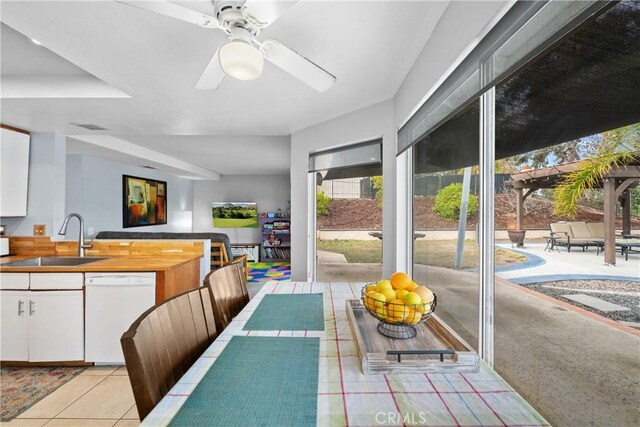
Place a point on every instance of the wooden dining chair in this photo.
(220, 258)
(229, 293)
(164, 342)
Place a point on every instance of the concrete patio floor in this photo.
(572, 263)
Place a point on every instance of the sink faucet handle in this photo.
(88, 245)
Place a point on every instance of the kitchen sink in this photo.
(53, 261)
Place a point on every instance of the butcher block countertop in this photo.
(113, 263)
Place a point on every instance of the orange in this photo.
(400, 280)
(412, 286)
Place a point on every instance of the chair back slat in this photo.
(207, 305)
(193, 346)
(202, 336)
(182, 347)
(164, 342)
(165, 371)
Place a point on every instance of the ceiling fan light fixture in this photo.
(241, 60)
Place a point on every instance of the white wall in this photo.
(369, 123)
(94, 190)
(46, 188)
(459, 26)
(270, 192)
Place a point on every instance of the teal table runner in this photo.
(294, 312)
(257, 381)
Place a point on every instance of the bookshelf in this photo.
(275, 239)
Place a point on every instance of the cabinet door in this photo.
(14, 344)
(56, 326)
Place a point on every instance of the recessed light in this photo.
(34, 41)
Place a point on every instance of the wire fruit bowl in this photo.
(398, 320)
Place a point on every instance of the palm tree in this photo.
(619, 147)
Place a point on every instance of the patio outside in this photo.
(551, 304)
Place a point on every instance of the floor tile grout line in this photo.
(79, 397)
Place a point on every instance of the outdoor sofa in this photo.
(578, 233)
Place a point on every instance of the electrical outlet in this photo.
(39, 229)
(90, 231)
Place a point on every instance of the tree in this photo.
(566, 152)
(617, 147)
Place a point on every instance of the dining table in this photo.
(342, 394)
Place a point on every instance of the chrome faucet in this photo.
(81, 244)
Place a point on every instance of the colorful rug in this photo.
(21, 388)
(265, 271)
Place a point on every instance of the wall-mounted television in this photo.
(234, 214)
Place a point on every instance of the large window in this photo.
(553, 319)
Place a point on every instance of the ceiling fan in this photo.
(243, 56)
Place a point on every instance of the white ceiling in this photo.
(368, 45)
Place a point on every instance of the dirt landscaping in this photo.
(365, 214)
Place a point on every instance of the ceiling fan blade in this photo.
(212, 75)
(173, 10)
(262, 13)
(297, 65)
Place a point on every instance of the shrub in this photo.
(322, 203)
(377, 183)
(448, 202)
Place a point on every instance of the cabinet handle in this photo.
(32, 309)
(20, 309)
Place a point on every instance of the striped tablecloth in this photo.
(347, 397)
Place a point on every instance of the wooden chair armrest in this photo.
(242, 260)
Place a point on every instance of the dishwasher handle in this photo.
(120, 281)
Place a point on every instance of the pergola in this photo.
(616, 185)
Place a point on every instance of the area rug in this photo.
(264, 271)
(21, 388)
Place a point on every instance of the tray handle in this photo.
(399, 353)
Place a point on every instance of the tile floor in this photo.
(100, 396)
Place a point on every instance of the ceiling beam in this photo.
(147, 155)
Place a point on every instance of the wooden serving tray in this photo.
(433, 334)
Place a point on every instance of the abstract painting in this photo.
(144, 201)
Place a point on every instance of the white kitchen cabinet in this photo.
(14, 342)
(42, 325)
(14, 172)
(56, 326)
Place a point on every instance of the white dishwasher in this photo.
(113, 301)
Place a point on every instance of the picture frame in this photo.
(144, 201)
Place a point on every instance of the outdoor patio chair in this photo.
(563, 235)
